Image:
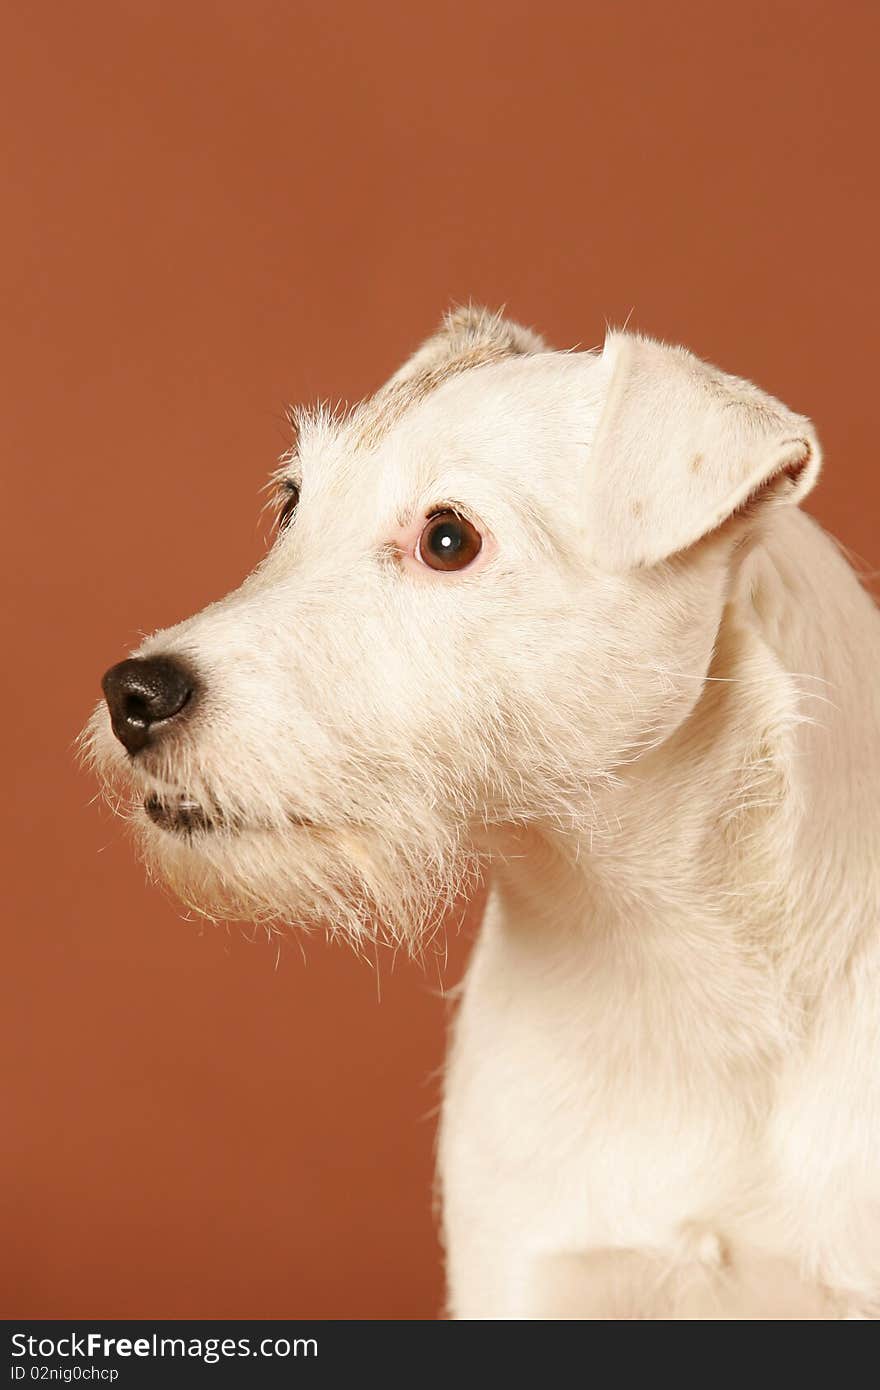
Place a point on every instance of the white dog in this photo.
(554, 613)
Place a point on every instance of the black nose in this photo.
(144, 691)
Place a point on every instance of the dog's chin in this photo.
(352, 881)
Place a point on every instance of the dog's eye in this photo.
(291, 502)
(448, 542)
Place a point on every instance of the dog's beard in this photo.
(394, 874)
(357, 882)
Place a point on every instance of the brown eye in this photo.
(449, 542)
(291, 501)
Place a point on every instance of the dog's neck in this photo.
(677, 883)
(709, 840)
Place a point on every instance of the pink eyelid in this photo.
(405, 543)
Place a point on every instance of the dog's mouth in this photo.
(182, 815)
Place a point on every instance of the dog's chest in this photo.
(607, 1095)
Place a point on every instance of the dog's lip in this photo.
(180, 813)
(183, 815)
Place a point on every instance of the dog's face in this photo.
(486, 596)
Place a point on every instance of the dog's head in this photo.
(494, 584)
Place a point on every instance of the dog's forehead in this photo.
(507, 422)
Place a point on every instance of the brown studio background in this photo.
(212, 208)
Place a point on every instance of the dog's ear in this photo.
(680, 447)
(467, 333)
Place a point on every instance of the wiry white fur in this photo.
(669, 757)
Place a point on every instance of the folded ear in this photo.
(469, 333)
(681, 446)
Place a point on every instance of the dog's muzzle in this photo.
(144, 695)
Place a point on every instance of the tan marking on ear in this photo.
(468, 338)
(697, 463)
(637, 508)
(377, 415)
